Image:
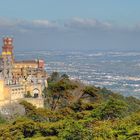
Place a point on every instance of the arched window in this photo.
(35, 93)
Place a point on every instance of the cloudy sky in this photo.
(71, 24)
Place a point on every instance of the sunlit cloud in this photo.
(25, 25)
(44, 23)
(88, 23)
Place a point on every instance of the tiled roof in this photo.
(26, 61)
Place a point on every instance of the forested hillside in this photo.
(73, 111)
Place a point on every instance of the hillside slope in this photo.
(74, 111)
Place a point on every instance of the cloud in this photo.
(88, 24)
(18, 25)
(4, 22)
(44, 23)
(39, 23)
(76, 33)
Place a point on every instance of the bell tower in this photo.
(7, 59)
(7, 49)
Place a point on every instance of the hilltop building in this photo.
(20, 79)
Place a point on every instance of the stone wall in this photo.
(4, 102)
(38, 102)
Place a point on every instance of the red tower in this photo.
(7, 48)
(7, 58)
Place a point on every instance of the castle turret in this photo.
(7, 58)
(7, 49)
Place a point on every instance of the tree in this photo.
(44, 92)
(73, 130)
(55, 76)
(59, 90)
(30, 110)
(90, 93)
(111, 109)
(65, 76)
(2, 119)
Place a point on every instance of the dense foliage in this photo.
(74, 111)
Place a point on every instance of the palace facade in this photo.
(20, 79)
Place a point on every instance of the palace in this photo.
(20, 79)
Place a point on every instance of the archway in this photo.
(36, 93)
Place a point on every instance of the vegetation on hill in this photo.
(74, 111)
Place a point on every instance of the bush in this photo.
(73, 130)
(111, 109)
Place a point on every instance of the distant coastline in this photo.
(118, 71)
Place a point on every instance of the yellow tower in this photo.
(1, 89)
